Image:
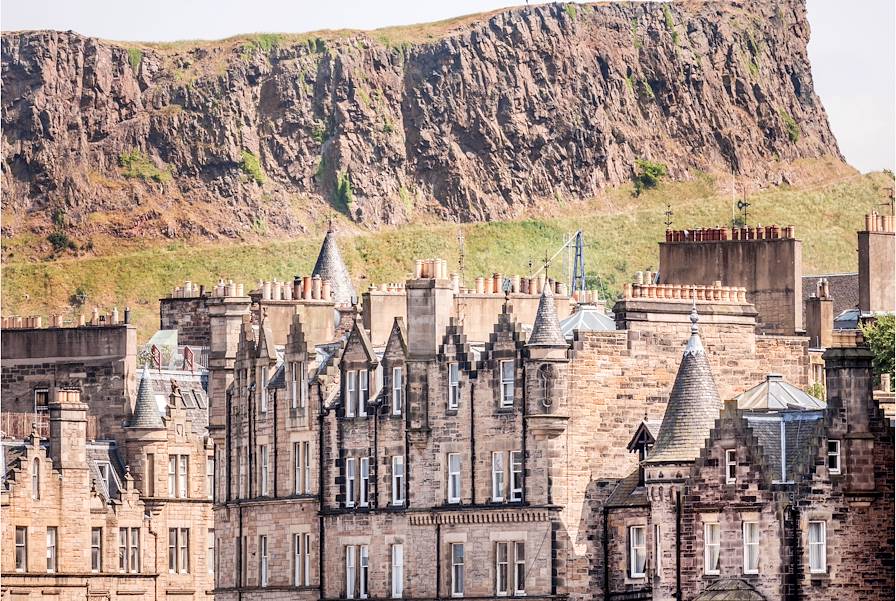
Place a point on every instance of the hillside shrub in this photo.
(790, 126)
(251, 166)
(648, 175)
(61, 242)
(135, 58)
(135, 164)
(344, 198)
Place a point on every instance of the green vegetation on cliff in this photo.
(621, 234)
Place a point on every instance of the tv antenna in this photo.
(668, 214)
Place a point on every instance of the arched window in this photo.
(546, 381)
(35, 479)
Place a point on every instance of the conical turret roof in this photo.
(329, 266)
(146, 412)
(546, 329)
(693, 407)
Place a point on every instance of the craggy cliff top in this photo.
(475, 118)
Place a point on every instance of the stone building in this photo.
(407, 450)
(108, 497)
(776, 495)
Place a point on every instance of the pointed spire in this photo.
(329, 266)
(693, 407)
(146, 412)
(546, 329)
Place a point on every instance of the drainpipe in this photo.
(250, 465)
(438, 560)
(227, 450)
(795, 558)
(678, 545)
(472, 446)
(274, 401)
(240, 569)
(321, 415)
(606, 546)
(525, 435)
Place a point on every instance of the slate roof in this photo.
(193, 389)
(843, 287)
(628, 494)
(329, 266)
(105, 452)
(146, 411)
(774, 394)
(587, 318)
(693, 407)
(546, 327)
(729, 589)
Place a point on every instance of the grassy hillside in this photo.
(621, 234)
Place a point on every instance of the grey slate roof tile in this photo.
(329, 266)
(146, 411)
(546, 327)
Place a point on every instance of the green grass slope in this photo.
(621, 235)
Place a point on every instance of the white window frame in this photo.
(708, 547)
(306, 457)
(212, 553)
(263, 379)
(637, 549)
(364, 488)
(508, 383)
(497, 476)
(363, 391)
(502, 568)
(52, 542)
(96, 550)
(453, 386)
(301, 543)
(730, 466)
(349, 481)
(184, 555)
(263, 560)
(454, 481)
(397, 571)
(297, 466)
(750, 532)
(210, 476)
(35, 479)
(363, 571)
(457, 569)
(821, 542)
(397, 390)
(129, 550)
(834, 454)
(351, 392)
(350, 572)
(172, 476)
(21, 542)
(263, 467)
(658, 550)
(519, 568)
(398, 480)
(183, 476)
(516, 476)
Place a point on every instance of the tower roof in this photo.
(146, 412)
(329, 266)
(693, 407)
(546, 329)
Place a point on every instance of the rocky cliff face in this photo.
(472, 119)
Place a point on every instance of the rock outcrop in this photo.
(474, 119)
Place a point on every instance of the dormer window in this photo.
(508, 381)
(397, 390)
(264, 389)
(453, 386)
(351, 392)
(363, 391)
(641, 444)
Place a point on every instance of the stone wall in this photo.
(189, 316)
(770, 270)
(877, 264)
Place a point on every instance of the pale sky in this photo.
(852, 48)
